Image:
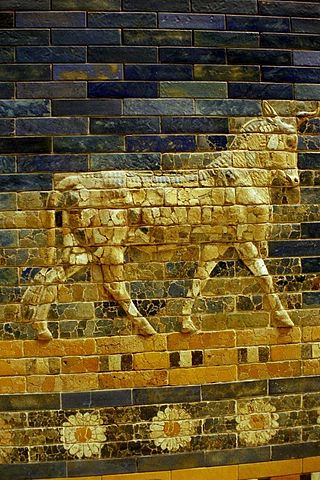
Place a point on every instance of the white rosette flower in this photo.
(171, 429)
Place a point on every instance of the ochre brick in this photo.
(62, 383)
(287, 477)
(59, 348)
(12, 385)
(210, 473)
(311, 464)
(13, 367)
(311, 367)
(151, 360)
(268, 336)
(147, 378)
(139, 476)
(131, 344)
(80, 364)
(11, 348)
(199, 375)
(269, 370)
(221, 356)
(285, 352)
(267, 469)
(311, 334)
(202, 340)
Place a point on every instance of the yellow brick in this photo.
(267, 469)
(59, 348)
(268, 336)
(182, 341)
(146, 378)
(131, 344)
(56, 383)
(311, 367)
(80, 364)
(269, 370)
(11, 348)
(151, 360)
(285, 352)
(211, 473)
(198, 375)
(139, 476)
(221, 356)
(311, 464)
(311, 334)
(12, 385)
(13, 367)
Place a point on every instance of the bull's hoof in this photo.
(45, 335)
(144, 327)
(188, 326)
(281, 319)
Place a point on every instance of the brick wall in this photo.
(157, 87)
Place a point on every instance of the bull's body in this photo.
(227, 203)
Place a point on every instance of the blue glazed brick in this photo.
(25, 145)
(24, 108)
(29, 182)
(305, 25)
(108, 398)
(234, 390)
(6, 20)
(258, 24)
(50, 19)
(164, 143)
(157, 37)
(7, 164)
(125, 161)
(228, 107)
(297, 450)
(311, 299)
(122, 54)
(194, 125)
(7, 55)
(25, 72)
(151, 396)
(261, 90)
(237, 456)
(52, 90)
(310, 230)
(212, 142)
(310, 265)
(24, 37)
(6, 127)
(290, 41)
(122, 20)
(242, 56)
(158, 72)
(88, 144)
(170, 462)
(52, 163)
(51, 54)
(8, 276)
(225, 6)
(158, 107)
(84, 5)
(8, 238)
(86, 37)
(309, 142)
(8, 201)
(307, 58)
(86, 107)
(76, 400)
(101, 467)
(291, 74)
(192, 21)
(310, 195)
(123, 89)
(309, 161)
(307, 92)
(125, 125)
(294, 248)
(24, 5)
(290, 9)
(87, 72)
(226, 39)
(192, 55)
(6, 90)
(51, 126)
(159, 5)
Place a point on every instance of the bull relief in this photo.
(218, 201)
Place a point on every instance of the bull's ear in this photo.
(268, 110)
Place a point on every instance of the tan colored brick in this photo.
(202, 340)
(12, 385)
(221, 356)
(62, 383)
(11, 348)
(131, 344)
(267, 469)
(285, 352)
(269, 370)
(199, 375)
(311, 464)
(59, 348)
(210, 473)
(80, 364)
(13, 367)
(151, 360)
(146, 378)
(311, 334)
(268, 336)
(311, 367)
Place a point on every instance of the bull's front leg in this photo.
(112, 264)
(249, 254)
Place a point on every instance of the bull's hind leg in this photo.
(249, 254)
(112, 260)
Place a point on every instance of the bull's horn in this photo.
(268, 110)
(314, 113)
